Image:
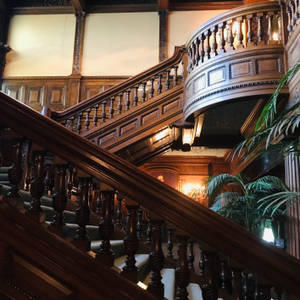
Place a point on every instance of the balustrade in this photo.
(293, 15)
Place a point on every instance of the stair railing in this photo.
(124, 97)
(220, 277)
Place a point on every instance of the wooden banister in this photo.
(220, 233)
(115, 90)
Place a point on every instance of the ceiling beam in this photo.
(163, 4)
(209, 5)
(79, 5)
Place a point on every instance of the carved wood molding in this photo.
(218, 232)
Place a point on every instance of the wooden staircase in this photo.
(39, 259)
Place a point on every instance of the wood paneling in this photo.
(58, 93)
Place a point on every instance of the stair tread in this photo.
(141, 259)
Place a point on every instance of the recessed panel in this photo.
(34, 95)
(240, 69)
(266, 66)
(171, 106)
(199, 84)
(150, 117)
(128, 128)
(108, 138)
(216, 76)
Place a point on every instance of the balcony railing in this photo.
(233, 52)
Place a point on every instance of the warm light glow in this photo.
(235, 28)
(268, 235)
(275, 36)
(187, 136)
(195, 191)
(162, 134)
(198, 125)
(142, 285)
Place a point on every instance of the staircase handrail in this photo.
(117, 89)
(267, 261)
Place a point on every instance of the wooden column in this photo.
(292, 180)
(75, 78)
(163, 22)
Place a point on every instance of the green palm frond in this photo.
(217, 183)
(267, 184)
(272, 203)
(223, 199)
(269, 111)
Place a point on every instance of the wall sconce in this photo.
(187, 138)
(275, 36)
(198, 126)
(195, 191)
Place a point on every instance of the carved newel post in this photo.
(37, 187)
(59, 198)
(155, 286)
(106, 229)
(83, 215)
(131, 243)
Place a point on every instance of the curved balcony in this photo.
(236, 54)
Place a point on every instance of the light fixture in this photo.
(198, 126)
(195, 191)
(187, 139)
(275, 36)
(268, 234)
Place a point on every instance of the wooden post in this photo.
(163, 22)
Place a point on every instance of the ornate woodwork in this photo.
(237, 63)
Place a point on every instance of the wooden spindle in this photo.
(37, 187)
(159, 85)
(175, 77)
(127, 100)
(70, 181)
(98, 200)
(69, 123)
(47, 180)
(82, 215)
(151, 89)
(144, 91)
(119, 216)
(202, 52)
(214, 46)
(270, 27)
(182, 272)
(244, 295)
(119, 106)
(106, 229)
(230, 38)
(190, 62)
(240, 36)
(167, 82)
(95, 117)
(223, 292)
(26, 169)
(155, 286)
(221, 29)
(207, 35)
(139, 224)
(194, 54)
(149, 231)
(135, 96)
(197, 44)
(131, 243)
(59, 198)
(289, 17)
(87, 119)
(15, 172)
(79, 120)
(111, 107)
(259, 19)
(236, 283)
(293, 20)
(191, 256)
(210, 272)
(170, 243)
(103, 112)
(278, 16)
(249, 31)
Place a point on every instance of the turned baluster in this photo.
(48, 179)
(175, 78)
(83, 215)
(223, 291)
(27, 166)
(103, 113)
(139, 224)
(244, 295)
(151, 90)
(209, 271)
(191, 256)
(155, 286)
(230, 38)
(289, 16)
(73, 123)
(37, 187)
(208, 48)
(182, 73)
(222, 39)
(59, 198)
(106, 229)
(15, 172)
(144, 91)
(262, 291)
(182, 272)
(167, 82)
(135, 96)
(259, 18)
(240, 36)
(236, 283)
(278, 16)
(131, 243)
(270, 30)
(119, 106)
(194, 53)
(159, 85)
(214, 46)
(170, 243)
(98, 200)
(70, 181)
(201, 51)
(249, 31)
(87, 119)
(69, 123)
(127, 99)
(79, 120)
(119, 216)
(190, 62)
(148, 231)
(95, 118)
(111, 107)
(293, 19)
(197, 55)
